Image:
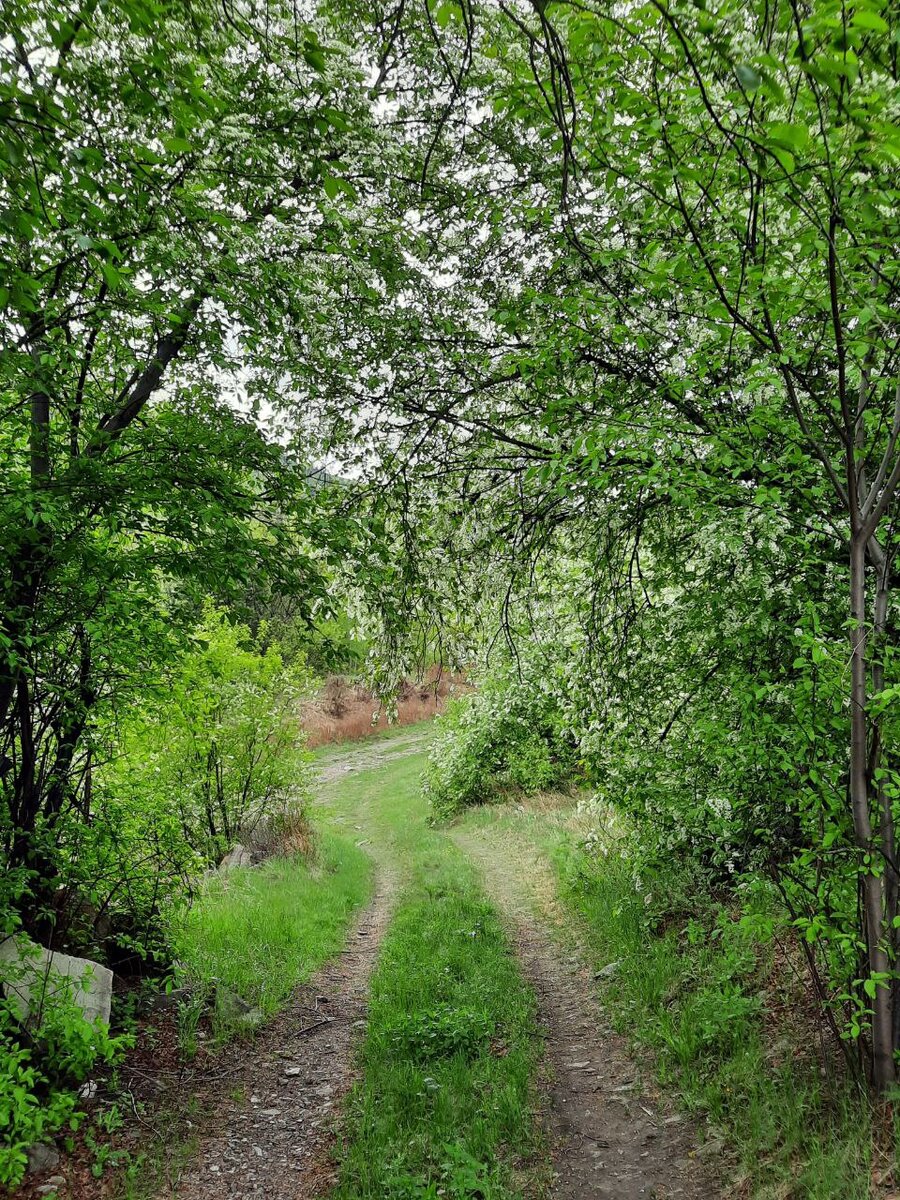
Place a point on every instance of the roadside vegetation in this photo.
(254, 934)
(715, 999)
(710, 982)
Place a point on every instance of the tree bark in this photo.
(883, 1069)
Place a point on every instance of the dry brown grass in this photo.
(286, 832)
(346, 712)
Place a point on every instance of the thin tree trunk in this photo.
(883, 1070)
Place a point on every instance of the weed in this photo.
(188, 1014)
(443, 1031)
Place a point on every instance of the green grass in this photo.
(690, 987)
(444, 1104)
(690, 990)
(261, 931)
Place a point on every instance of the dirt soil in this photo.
(260, 1122)
(612, 1133)
(367, 756)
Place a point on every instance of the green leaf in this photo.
(864, 18)
(784, 157)
(112, 276)
(748, 78)
(794, 137)
(177, 145)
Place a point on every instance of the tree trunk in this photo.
(883, 1070)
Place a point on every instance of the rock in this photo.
(32, 974)
(87, 1093)
(42, 1158)
(231, 1007)
(51, 1187)
(237, 856)
(292, 1071)
(163, 1001)
(251, 1019)
(607, 972)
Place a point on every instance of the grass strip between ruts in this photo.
(444, 1106)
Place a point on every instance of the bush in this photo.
(215, 758)
(39, 1073)
(504, 738)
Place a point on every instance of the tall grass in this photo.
(358, 715)
(261, 931)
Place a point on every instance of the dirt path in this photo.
(612, 1136)
(366, 756)
(272, 1116)
(268, 1132)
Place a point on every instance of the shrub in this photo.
(216, 757)
(506, 737)
(39, 1072)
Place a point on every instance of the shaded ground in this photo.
(612, 1134)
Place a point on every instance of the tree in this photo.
(172, 177)
(691, 303)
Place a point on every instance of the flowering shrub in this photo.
(506, 737)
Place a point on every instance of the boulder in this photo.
(32, 975)
(41, 1158)
(237, 856)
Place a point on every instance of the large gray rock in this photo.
(237, 856)
(41, 1158)
(32, 975)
